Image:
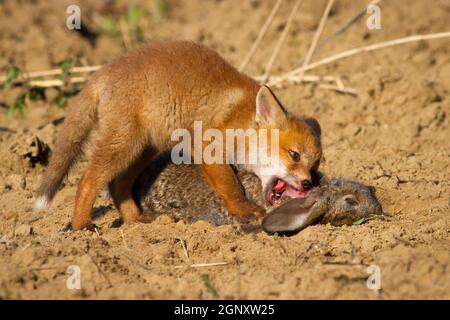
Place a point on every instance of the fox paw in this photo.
(88, 226)
(248, 213)
(146, 217)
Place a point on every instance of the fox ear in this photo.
(268, 109)
(314, 125)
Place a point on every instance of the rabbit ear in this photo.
(289, 217)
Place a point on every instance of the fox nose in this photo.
(306, 184)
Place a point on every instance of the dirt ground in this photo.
(393, 135)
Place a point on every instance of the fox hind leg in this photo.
(121, 187)
(111, 156)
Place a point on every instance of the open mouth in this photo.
(281, 190)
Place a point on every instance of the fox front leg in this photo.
(225, 183)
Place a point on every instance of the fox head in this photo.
(292, 168)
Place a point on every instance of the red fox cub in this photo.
(135, 103)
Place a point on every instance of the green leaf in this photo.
(440, 116)
(36, 94)
(19, 105)
(134, 15)
(359, 221)
(162, 10)
(60, 100)
(209, 286)
(65, 67)
(110, 27)
(11, 74)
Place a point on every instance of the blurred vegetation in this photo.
(65, 67)
(208, 285)
(11, 74)
(359, 221)
(110, 26)
(19, 106)
(162, 10)
(64, 92)
(136, 18)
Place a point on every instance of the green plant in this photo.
(18, 105)
(208, 284)
(60, 100)
(134, 16)
(162, 10)
(11, 74)
(65, 67)
(35, 94)
(359, 221)
(110, 26)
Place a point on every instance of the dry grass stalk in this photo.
(347, 25)
(333, 83)
(125, 31)
(123, 240)
(339, 89)
(55, 82)
(354, 51)
(281, 40)
(261, 34)
(201, 265)
(316, 37)
(305, 78)
(27, 76)
(183, 244)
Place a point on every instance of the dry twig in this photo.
(183, 244)
(281, 40)
(325, 82)
(261, 34)
(354, 51)
(200, 265)
(55, 82)
(28, 76)
(319, 30)
(125, 31)
(345, 27)
(123, 240)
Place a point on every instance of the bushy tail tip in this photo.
(41, 203)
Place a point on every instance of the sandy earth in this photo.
(393, 135)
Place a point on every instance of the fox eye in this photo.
(294, 155)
